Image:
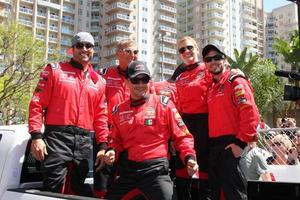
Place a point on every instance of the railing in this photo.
(281, 145)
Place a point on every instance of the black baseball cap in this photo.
(210, 47)
(136, 68)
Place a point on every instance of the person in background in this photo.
(143, 126)
(233, 119)
(70, 100)
(116, 92)
(283, 151)
(253, 163)
(168, 87)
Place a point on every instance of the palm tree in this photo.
(289, 50)
(242, 62)
(267, 87)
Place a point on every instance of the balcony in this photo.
(114, 40)
(95, 28)
(164, 49)
(111, 63)
(215, 6)
(167, 29)
(95, 8)
(167, 19)
(53, 28)
(51, 51)
(167, 60)
(68, 20)
(166, 71)
(214, 25)
(65, 42)
(168, 8)
(52, 39)
(25, 10)
(118, 29)
(69, 9)
(250, 35)
(248, 9)
(40, 37)
(41, 14)
(40, 25)
(25, 22)
(109, 53)
(249, 26)
(118, 17)
(112, 1)
(169, 1)
(55, 17)
(67, 31)
(218, 34)
(28, 1)
(168, 40)
(5, 1)
(49, 4)
(119, 6)
(215, 15)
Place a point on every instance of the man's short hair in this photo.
(126, 42)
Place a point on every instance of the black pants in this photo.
(197, 189)
(65, 145)
(224, 170)
(150, 177)
(105, 177)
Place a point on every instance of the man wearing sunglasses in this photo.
(142, 127)
(116, 92)
(69, 99)
(233, 118)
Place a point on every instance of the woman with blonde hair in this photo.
(283, 151)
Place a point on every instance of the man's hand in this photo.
(110, 157)
(38, 149)
(192, 167)
(237, 72)
(99, 163)
(236, 150)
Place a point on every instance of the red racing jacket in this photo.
(232, 109)
(166, 88)
(69, 97)
(116, 90)
(144, 129)
(192, 86)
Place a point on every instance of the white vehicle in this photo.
(20, 176)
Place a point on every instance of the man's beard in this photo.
(217, 71)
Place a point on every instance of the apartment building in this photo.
(53, 21)
(281, 22)
(229, 24)
(152, 24)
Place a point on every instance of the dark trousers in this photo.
(150, 177)
(65, 145)
(197, 189)
(105, 177)
(224, 171)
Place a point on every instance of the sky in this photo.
(271, 4)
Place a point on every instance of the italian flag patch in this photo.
(149, 122)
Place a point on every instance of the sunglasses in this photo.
(143, 80)
(216, 57)
(276, 144)
(86, 45)
(129, 51)
(183, 49)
